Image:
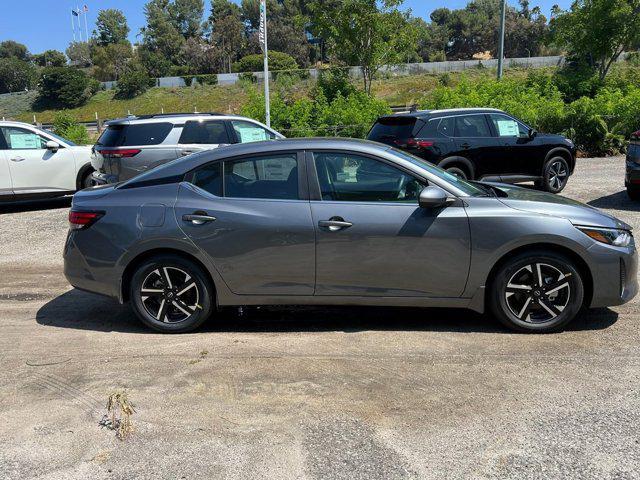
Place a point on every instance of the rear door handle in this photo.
(18, 159)
(197, 218)
(334, 225)
(184, 153)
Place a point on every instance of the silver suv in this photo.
(129, 146)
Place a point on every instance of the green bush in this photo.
(65, 87)
(16, 75)
(66, 126)
(344, 116)
(135, 81)
(255, 63)
(335, 81)
(209, 79)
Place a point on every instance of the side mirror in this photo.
(433, 197)
(51, 145)
(532, 133)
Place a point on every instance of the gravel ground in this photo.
(335, 393)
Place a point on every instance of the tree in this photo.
(65, 87)
(11, 49)
(367, 33)
(186, 17)
(227, 33)
(16, 75)
(79, 54)
(160, 37)
(598, 31)
(50, 58)
(277, 61)
(111, 27)
(111, 60)
(134, 81)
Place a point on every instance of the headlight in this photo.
(610, 236)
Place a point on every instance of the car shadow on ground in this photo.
(85, 311)
(616, 201)
(35, 205)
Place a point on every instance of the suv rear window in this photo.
(391, 128)
(134, 135)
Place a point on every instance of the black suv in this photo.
(481, 144)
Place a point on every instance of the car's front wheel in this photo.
(555, 175)
(537, 291)
(171, 294)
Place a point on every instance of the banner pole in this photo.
(263, 34)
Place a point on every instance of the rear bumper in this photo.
(98, 178)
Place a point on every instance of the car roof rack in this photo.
(178, 114)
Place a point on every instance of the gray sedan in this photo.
(341, 222)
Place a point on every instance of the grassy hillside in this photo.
(404, 90)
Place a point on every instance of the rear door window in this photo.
(266, 176)
(472, 126)
(202, 132)
(388, 129)
(134, 135)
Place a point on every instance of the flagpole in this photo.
(86, 28)
(79, 24)
(73, 26)
(263, 25)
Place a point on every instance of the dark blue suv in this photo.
(481, 144)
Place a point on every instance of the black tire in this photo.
(633, 192)
(555, 175)
(538, 310)
(458, 172)
(196, 300)
(86, 180)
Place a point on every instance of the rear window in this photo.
(390, 128)
(134, 135)
(199, 132)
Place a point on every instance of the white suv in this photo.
(129, 146)
(35, 163)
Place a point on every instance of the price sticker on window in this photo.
(508, 128)
(24, 141)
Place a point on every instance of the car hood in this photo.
(544, 203)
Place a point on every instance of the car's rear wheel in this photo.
(171, 294)
(458, 172)
(633, 192)
(537, 291)
(555, 175)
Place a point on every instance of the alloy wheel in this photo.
(538, 293)
(557, 175)
(170, 295)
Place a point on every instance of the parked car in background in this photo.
(129, 146)
(481, 144)
(341, 222)
(632, 174)
(35, 163)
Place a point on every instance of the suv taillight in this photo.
(126, 153)
(80, 220)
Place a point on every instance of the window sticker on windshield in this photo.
(250, 134)
(24, 140)
(508, 128)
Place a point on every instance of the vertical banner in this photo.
(262, 37)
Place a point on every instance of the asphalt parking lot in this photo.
(338, 393)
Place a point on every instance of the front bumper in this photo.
(99, 178)
(615, 274)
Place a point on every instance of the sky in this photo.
(46, 24)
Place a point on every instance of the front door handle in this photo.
(18, 159)
(184, 153)
(465, 146)
(334, 224)
(198, 218)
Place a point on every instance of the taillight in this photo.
(635, 136)
(126, 153)
(80, 220)
(412, 142)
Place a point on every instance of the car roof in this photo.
(13, 123)
(441, 112)
(183, 165)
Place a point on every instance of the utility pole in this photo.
(501, 41)
(262, 33)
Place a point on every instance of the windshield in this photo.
(61, 139)
(463, 185)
